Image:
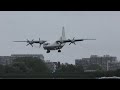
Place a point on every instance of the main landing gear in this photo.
(48, 51)
(59, 50)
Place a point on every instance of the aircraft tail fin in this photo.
(63, 34)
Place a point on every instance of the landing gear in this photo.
(48, 51)
(59, 50)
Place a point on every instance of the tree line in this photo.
(28, 67)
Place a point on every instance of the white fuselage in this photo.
(53, 46)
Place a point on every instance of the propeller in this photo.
(30, 42)
(41, 42)
(72, 41)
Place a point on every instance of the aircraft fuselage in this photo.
(54, 46)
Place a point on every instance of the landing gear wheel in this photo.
(59, 50)
(48, 51)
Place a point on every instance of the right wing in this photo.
(32, 42)
(19, 41)
(73, 40)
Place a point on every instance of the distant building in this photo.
(83, 62)
(99, 60)
(40, 56)
(52, 66)
(113, 66)
(4, 60)
(57, 64)
(102, 61)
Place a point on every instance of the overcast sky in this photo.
(104, 26)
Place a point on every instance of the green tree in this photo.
(79, 68)
(70, 68)
(94, 67)
(2, 68)
(21, 67)
(30, 65)
(10, 69)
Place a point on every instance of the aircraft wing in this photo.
(19, 41)
(32, 42)
(41, 41)
(73, 40)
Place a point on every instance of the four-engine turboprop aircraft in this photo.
(56, 45)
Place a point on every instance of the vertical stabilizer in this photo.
(63, 34)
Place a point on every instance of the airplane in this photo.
(56, 45)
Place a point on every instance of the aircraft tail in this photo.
(63, 34)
